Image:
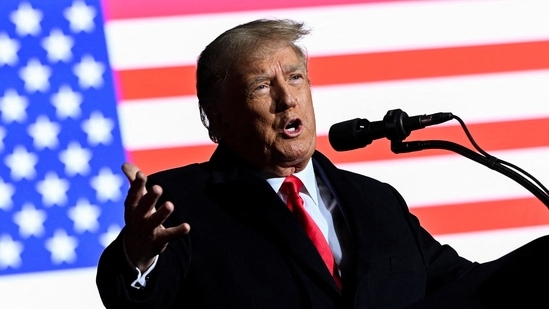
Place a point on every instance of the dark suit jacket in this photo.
(246, 250)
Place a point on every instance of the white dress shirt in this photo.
(318, 201)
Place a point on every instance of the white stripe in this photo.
(475, 98)
(175, 121)
(157, 42)
(452, 179)
(158, 123)
(487, 246)
(66, 289)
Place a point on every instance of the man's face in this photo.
(267, 115)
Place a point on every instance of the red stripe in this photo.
(156, 82)
(425, 63)
(361, 68)
(490, 136)
(152, 160)
(124, 9)
(482, 216)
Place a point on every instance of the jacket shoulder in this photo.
(325, 166)
(190, 177)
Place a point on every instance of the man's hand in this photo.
(145, 236)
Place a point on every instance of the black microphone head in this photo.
(345, 135)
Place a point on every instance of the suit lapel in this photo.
(353, 221)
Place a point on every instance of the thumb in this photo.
(130, 171)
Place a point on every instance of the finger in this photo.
(147, 203)
(185, 228)
(161, 214)
(136, 190)
(130, 171)
(171, 233)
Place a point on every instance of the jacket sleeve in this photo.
(443, 263)
(115, 275)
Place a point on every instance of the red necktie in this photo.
(291, 187)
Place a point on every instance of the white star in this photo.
(89, 72)
(30, 221)
(76, 159)
(6, 193)
(53, 190)
(44, 133)
(107, 185)
(67, 102)
(98, 129)
(106, 238)
(80, 16)
(36, 76)
(62, 247)
(85, 216)
(21, 163)
(13, 106)
(8, 50)
(10, 252)
(26, 19)
(58, 46)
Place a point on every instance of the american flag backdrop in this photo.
(86, 85)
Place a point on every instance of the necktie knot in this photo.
(291, 187)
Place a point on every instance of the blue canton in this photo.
(61, 189)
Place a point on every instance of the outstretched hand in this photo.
(145, 236)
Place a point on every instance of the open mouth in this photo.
(293, 127)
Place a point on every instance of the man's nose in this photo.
(285, 96)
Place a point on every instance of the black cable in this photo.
(480, 156)
(494, 160)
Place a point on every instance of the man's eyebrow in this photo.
(294, 67)
(263, 76)
(257, 79)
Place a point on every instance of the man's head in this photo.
(254, 95)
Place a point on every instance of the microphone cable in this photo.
(495, 160)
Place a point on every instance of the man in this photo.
(246, 248)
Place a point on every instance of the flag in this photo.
(482, 60)
(61, 188)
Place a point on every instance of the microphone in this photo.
(396, 125)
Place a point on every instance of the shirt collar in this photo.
(307, 177)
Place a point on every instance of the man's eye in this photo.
(261, 89)
(296, 79)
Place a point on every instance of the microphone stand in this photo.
(398, 146)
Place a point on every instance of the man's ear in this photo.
(216, 120)
(213, 112)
